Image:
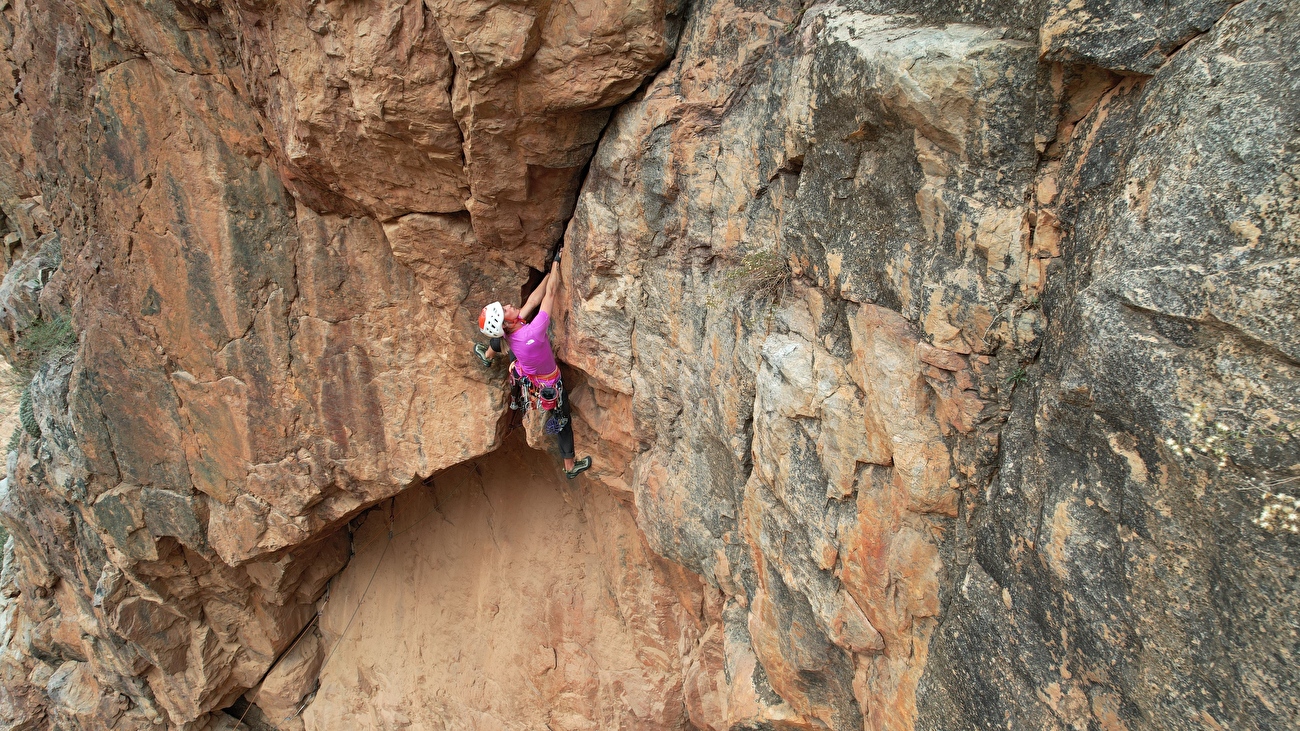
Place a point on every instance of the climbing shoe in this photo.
(481, 351)
(579, 467)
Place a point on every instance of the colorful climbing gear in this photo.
(543, 393)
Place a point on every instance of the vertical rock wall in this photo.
(966, 469)
(270, 228)
(946, 351)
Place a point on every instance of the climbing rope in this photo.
(348, 626)
(301, 634)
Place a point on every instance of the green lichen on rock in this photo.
(28, 416)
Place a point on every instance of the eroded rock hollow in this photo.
(939, 362)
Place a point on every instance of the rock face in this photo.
(955, 501)
(939, 363)
(507, 598)
(271, 228)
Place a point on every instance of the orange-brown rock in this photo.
(506, 597)
(281, 224)
(938, 363)
(442, 108)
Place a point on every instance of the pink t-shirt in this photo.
(532, 347)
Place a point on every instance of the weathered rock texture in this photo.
(933, 480)
(271, 227)
(935, 358)
(507, 598)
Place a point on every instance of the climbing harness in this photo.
(543, 393)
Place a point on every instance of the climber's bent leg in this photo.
(564, 438)
(572, 467)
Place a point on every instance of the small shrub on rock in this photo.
(762, 274)
(45, 340)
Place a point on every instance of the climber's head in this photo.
(496, 319)
(491, 319)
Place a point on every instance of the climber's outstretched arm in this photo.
(552, 285)
(535, 298)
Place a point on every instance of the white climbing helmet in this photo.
(491, 319)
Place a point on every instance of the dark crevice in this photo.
(535, 277)
(248, 716)
(1220, 327)
(1181, 44)
(677, 23)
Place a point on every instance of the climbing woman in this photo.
(534, 375)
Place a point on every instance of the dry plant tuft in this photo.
(44, 341)
(762, 274)
(1212, 443)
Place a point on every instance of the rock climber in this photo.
(534, 375)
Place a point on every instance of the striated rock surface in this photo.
(938, 361)
(936, 479)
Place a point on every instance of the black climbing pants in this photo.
(565, 438)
